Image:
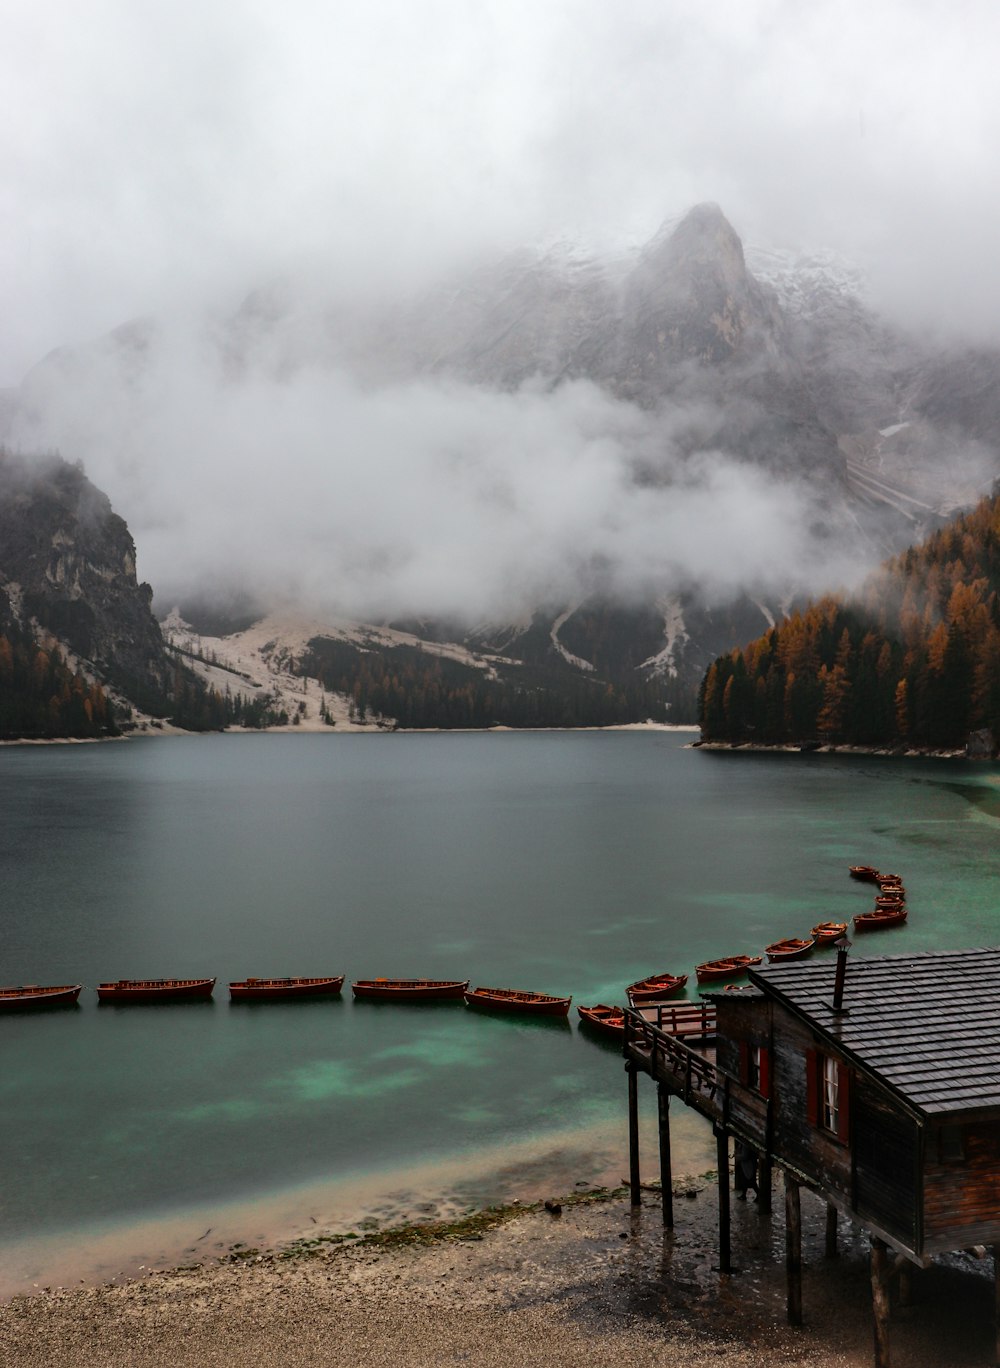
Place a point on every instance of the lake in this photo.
(564, 862)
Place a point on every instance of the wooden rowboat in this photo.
(876, 921)
(655, 987)
(825, 933)
(271, 989)
(609, 1020)
(712, 970)
(410, 990)
(885, 902)
(25, 995)
(866, 873)
(894, 880)
(514, 1000)
(155, 990)
(793, 948)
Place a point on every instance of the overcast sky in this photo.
(163, 159)
(164, 153)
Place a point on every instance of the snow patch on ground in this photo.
(567, 655)
(263, 661)
(675, 635)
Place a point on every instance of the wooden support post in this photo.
(793, 1250)
(633, 1134)
(880, 1302)
(831, 1231)
(905, 1283)
(666, 1173)
(764, 1185)
(722, 1149)
(996, 1283)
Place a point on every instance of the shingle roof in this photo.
(928, 1025)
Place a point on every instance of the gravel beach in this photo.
(592, 1281)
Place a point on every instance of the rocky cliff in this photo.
(67, 572)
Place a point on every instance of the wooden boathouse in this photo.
(874, 1084)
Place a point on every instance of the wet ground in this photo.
(593, 1280)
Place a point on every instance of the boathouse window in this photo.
(755, 1067)
(828, 1094)
(951, 1145)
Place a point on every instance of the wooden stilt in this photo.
(831, 1231)
(793, 1250)
(722, 1149)
(666, 1173)
(905, 1283)
(880, 1302)
(633, 1135)
(996, 1283)
(764, 1185)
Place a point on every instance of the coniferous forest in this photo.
(41, 697)
(913, 659)
(418, 688)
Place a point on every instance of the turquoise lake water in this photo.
(564, 862)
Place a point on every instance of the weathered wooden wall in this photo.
(962, 1193)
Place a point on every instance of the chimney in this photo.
(843, 945)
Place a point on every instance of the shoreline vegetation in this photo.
(910, 661)
(833, 748)
(576, 1278)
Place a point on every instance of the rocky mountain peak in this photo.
(704, 240)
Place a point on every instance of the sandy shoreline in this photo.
(594, 1281)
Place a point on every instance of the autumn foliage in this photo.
(41, 697)
(913, 659)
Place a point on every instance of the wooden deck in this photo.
(678, 1051)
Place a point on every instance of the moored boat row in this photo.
(890, 901)
(275, 989)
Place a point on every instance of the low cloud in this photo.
(426, 497)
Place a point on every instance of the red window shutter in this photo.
(812, 1088)
(764, 1086)
(843, 1103)
(744, 1062)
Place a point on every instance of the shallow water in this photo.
(570, 863)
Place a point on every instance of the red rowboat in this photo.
(155, 990)
(410, 990)
(269, 989)
(875, 921)
(825, 933)
(610, 1020)
(866, 873)
(793, 948)
(513, 1000)
(32, 995)
(655, 987)
(712, 970)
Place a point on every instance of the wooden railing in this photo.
(685, 1020)
(696, 1079)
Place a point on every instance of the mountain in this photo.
(80, 649)
(911, 660)
(759, 360)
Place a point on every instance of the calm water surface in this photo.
(570, 863)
